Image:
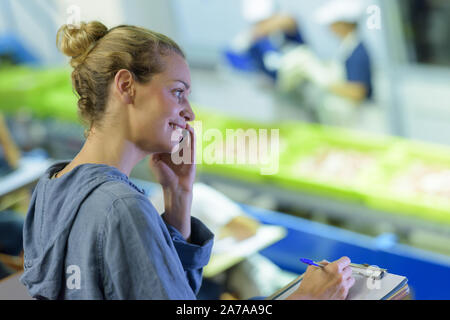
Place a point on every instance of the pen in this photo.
(354, 266)
(311, 263)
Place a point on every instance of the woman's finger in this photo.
(347, 272)
(342, 263)
(154, 159)
(350, 282)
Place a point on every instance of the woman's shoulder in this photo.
(118, 188)
(124, 208)
(114, 191)
(118, 198)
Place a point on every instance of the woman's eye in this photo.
(179, 94)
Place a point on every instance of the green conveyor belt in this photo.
(42, 92)
(371, 186)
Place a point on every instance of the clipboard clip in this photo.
(368, 271)
(365, 269)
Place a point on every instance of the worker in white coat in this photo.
(351, 86)
(341, 86)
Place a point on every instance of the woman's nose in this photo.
(187, 113)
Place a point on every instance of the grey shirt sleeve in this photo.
(194, 255)
(139, 258)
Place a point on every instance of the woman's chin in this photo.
(168, 146)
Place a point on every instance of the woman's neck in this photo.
(110, 148)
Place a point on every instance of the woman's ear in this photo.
(124, 86)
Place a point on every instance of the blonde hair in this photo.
(98, 54)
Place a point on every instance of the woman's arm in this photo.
(191, 238)
(177, 181)
(278, 22)
(177, 212)
(138, 257)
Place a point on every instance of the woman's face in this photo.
(162, 108)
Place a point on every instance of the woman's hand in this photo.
(177, 181)
(329, 283)
(176, 177)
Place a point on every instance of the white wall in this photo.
(31, 23)
(36, 22)
(156, 15)
(424, 98)
(206, 27)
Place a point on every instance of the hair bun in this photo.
(76, 42)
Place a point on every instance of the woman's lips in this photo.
(176, 126)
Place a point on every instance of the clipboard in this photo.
(368, 285)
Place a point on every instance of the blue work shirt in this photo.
(358, 68)
(93, 234)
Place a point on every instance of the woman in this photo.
(90, 233)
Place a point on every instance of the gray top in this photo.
(93, 234)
